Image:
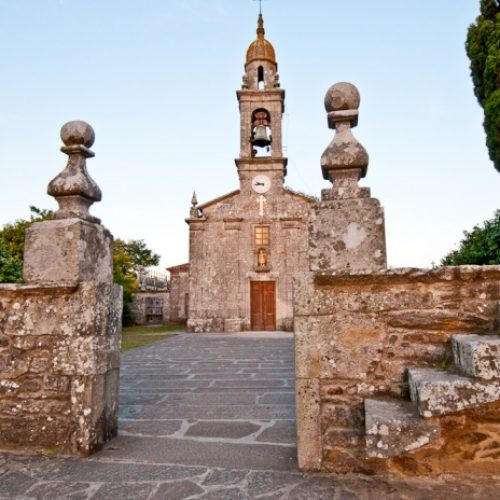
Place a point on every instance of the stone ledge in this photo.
(477, 355)
(408, 275)
(394, 427)
(441, 393)
(30, 288)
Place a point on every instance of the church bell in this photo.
(260, 137)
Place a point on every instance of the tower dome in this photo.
(260, 49)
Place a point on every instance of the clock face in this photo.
(261, 184)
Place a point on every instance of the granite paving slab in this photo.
(216, 452)
(217, 411)
(211, 416)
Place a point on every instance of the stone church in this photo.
(245, 246)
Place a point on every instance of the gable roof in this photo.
(219, 199)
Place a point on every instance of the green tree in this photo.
(141, 257)
(124, 276)
(12, 245)
(11, 269)
(480, 246)
(129, 260)
(483, 50)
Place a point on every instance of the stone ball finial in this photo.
(342, 96)
(341, 103)
(345, 160)
(77, 132)
(73, 188)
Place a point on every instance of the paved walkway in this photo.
(212, 417)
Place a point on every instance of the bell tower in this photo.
(261, 103)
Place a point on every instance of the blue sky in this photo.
(157, 80)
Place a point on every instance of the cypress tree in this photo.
(483, 50)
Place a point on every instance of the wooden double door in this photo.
(263, 305)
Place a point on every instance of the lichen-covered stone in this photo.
(347, 236)
(59, 370)
(309, 443)
(438, 393)
(394, 427)
(357, 334)
(469, 443)
(73, 188)
(347, 228)
(477, 355)
(60, 337)
(67, 250)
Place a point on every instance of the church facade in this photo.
(245, 246)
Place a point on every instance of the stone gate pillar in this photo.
(60, 338)
(346, 236)
(347, 229)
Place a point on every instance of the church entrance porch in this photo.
(263, 305)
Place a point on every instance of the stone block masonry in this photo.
(347, 228)
(395, 370)
(246, 245)
(150, 307)
(60, 330)
(356, 337)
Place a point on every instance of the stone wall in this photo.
(150, 307)
(60, 330)
(59, 367)
(357, 335)
(179, 293)
(395, 369)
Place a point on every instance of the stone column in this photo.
(347, 229)
(61, 328)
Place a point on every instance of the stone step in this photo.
(203, 453)
(394, 427)
(477, 355)
(438, 393)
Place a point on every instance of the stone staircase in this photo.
(394, 427)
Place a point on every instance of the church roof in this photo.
(179, 268)
(219, 199)
(260, 49)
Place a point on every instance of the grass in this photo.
(137, 336)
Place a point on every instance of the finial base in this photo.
(75, 207)
(68, 250)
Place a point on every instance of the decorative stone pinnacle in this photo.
(194, 212)
(345, 159)
(74, 189)
(260, 27)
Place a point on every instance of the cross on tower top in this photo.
(260, 5)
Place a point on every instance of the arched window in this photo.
(260, 78)
(261, 133)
